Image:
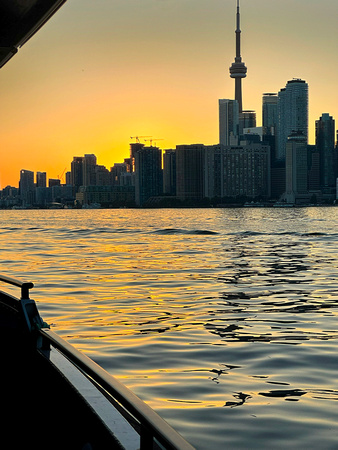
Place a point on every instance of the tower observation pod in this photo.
(238, 69)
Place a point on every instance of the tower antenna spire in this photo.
(238, 69)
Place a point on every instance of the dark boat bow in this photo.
(85, 404)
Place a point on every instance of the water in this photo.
(223, 320)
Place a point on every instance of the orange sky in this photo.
(100, 72)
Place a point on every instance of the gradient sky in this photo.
(101, 71)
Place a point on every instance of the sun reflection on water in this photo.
(211, 316)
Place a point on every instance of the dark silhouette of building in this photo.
(189, 172)
(77, 172)
(296, 169)
(228, 121)
(54, 182)
(169, 172)
(237, 171)
(325, 135)
(27, 187)
(89, 174)
(292, 113)
(269, 114)
(247, 119)
(313, 168)
(148, 174)
(41, 179)
(238, 69)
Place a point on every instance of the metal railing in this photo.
(25, 287)
(150, 426)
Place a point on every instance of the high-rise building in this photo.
(68, 178)
(134, 148)
(325, 135)
(102, 176)
(54, 182)
(89, 174)
(292, 113)
(41, 179)
(247, 119)
(228, 122)
(148, 174)
(314, 168)
(269, 122)
(189, 171)
(118, 174)
(270, 114)
(237, 171)
(27, 187)
(296, 168)
(169, 172)
(76, 169)
(238, 69)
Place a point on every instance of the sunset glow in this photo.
(101, 72)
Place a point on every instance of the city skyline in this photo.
(154, 78)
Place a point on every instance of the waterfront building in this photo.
(269, 114)
(296, 169)
(27, 187)
(237, 171)
(169, 172)
(106, 195)
(189, 171)
(292, 113)
(238, 69)
(228, 121)
(54, 182)
(9, 197)
(102, 176)
(325, 135)
(134, 148)
(68, 178)
(148, 174)
(41, 179)
(269, 123)
(213, 171)
(77, 172)
(43, 196)
(62, 194)
(118, 172)
(89, 174)
(314, 168)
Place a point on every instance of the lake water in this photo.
(225, 321)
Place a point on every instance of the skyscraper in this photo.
(189, 171)
(270, 119)
(76, 177)
(270, 114)
(296, 168)
(325, 134)
(247, 119)
(237, 171)
(228, 121)
(238, 69)
(27, 187)
(41, 179)
(169, 172)
(148, 174)
(89, 175)
(292, 113)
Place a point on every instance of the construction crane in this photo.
(138, 138)
(154, 139)
(60, 176)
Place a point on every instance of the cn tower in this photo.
(238, 69)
